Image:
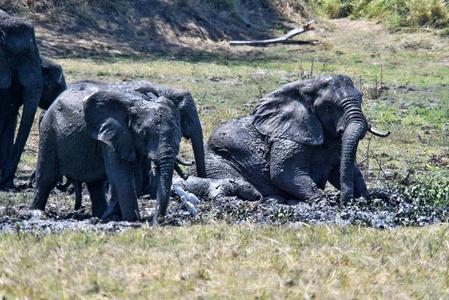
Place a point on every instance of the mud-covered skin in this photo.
(90, 135)
(182, 99)
(298, 138)
(215, 189)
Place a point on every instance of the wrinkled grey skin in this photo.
(298, 138)
(25, 80)
(90, 135)
(182, 99)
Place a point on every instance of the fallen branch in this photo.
(285, 39)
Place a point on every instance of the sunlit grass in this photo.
(222, 261)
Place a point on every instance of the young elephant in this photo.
(91, 135)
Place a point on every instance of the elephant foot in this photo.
(8, 186)
(113, 212)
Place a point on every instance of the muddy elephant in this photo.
(26, 80)
(92, 135)
(182, 99)
(298, 138)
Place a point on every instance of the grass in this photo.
(404, 80)
(395, 14)
(225, 262)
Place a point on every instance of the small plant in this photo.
(429, 190)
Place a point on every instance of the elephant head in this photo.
(190, 122)
(136, 128)
(312, 111)
(53, 83)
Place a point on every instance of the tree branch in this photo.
(285, 39)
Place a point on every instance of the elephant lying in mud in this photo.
(91, 135)
(298, 138)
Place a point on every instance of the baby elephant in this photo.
(90, 135)
(215, 189)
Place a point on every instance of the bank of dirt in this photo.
(148, 28)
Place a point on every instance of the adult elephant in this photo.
(297, 139)
(25, 80)
(182, 99)
(90, 135)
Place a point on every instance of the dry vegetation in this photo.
(183, 43)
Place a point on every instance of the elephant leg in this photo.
(121, 178)
(113, 209)
(360, 189)
(45, 182)
(290, 169)
(334, 177)
(97, 197)
(7, 146)
(78, 187)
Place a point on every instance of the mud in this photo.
(387, 208)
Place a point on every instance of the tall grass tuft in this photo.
(394, 13)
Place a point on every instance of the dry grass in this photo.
(228, 262)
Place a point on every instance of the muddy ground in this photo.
(386, 208)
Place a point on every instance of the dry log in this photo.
(285, 39)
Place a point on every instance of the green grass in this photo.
(395, 14)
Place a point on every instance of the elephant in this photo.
(92, 135)
(182, 99)
(214, 189)
(298, 137)
(26, 79)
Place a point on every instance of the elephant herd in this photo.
(298, 137)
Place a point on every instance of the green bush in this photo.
(431, 190)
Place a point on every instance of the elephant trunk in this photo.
(166, 161)
(198, 151)
(355, 129)
(31, 100)
(166, 167)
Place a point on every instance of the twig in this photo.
(201, 102)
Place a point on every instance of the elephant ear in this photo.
(285, 114)
(106, 116)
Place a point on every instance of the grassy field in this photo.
(404, 79)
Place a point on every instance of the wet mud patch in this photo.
(386, 208)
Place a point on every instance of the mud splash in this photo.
(386, 208)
